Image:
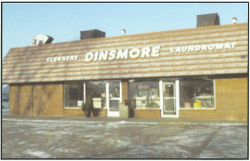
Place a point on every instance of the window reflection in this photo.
(114, 95)
(197, 93)
(114, 89)
(73, 93)
(144, 94)
(97, 89)
(169, 101)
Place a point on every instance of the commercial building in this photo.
(198, 72)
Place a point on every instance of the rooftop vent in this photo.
(208, 20)
(89, 34)
(41, 39)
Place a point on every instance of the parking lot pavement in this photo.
(35, 137)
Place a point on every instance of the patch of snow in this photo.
(64, 150)
(112, 125)
(40, 154)
(20, 143)
(123, 143)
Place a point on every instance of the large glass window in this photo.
(144, 94)
(197, 93)
(97, 89)
(73, 95)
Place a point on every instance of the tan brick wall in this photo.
(48, 100)
(231, 98)
(124, 91)
(39, 100)
(14, 92)
(80, 113)
(21, 100)
(147, 113)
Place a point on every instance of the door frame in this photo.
(177, 98)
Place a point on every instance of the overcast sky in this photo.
(21, 22)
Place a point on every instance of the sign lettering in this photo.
(123, 54)
(221, 46)
(143, 52)
(62, 58)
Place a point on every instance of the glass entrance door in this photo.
(169, 98)
(169, 105)
(114, 97)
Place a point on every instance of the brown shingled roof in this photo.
(29, 64)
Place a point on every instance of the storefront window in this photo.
(197, 93)
(97, 89)
(73, 95)
(144, 94)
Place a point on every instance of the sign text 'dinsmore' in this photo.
(123, 54)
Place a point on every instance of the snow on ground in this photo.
(38, 154)
(78, 139)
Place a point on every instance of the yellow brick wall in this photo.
(231, 98)
(21, 100)
(124, 91)
(14, 99)
(147, 113)
(47, 100)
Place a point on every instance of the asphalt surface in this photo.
(165, 138)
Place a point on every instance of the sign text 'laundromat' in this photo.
(228, 45)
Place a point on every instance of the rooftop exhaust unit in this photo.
(208, 20)
(234, 20)
(89, 34)
(41, 39)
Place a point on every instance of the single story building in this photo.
(197, 72)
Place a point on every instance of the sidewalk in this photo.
(105, 120)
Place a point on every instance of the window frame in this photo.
(64, 94)
(212, 108)
(159, 95)
(85, 92)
